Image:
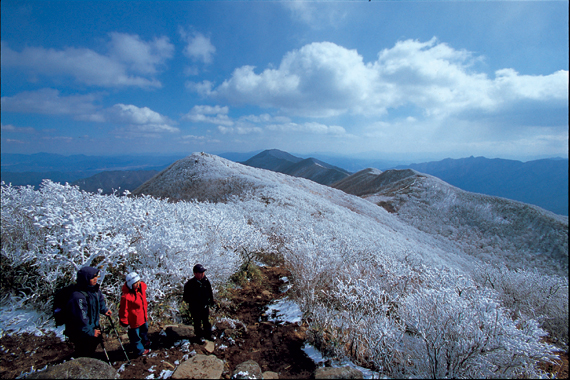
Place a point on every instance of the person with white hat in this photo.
(133, 313)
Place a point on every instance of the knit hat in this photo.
(132, 278)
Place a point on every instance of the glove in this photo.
(124, 325)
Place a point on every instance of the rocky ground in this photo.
(275, 346)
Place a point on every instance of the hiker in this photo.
(133, 313)
(199, 297)
(85, 305)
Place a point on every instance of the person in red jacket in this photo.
(133, 313)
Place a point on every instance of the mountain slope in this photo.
(310, 168)
(452, 226)
(485, 226)
(298, 206)
(542, 182)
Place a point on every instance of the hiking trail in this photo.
(276, 346)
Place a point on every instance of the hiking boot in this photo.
(145, 352)
(147, 344)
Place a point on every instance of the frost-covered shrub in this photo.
(440, 326)
(530, 294)
(58, 229)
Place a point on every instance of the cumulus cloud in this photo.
(324, 79)
(141, 119)
(130, 61)
(201, 114)
(198, 47)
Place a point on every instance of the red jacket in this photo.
(133, 309)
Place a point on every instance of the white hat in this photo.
(132, 278)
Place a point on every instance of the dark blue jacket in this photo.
(85, 305)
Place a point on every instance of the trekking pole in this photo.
(118, 337)
(106, 354)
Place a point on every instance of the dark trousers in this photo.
(200, 319)
(85, 346)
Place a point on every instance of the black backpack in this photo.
(60, 310)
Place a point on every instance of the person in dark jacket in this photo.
(85, 306)
(133, 313)
(199, 297)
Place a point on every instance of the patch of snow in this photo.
(285, 311)
(165, 374)
(316, 356)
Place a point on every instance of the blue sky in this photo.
(385, 79)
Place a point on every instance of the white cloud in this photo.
(201, 140)
(49, 102)
(198, 47)
(309, 127)
(314, 14)
(200, 114)
(324, 79)
(13, 129)
(14, 141)
(142, 119)
(128, 56)
(264, 118)
(240, 130)
(203, 88)
(140, 56)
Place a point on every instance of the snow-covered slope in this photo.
(299, 207)
(491, 228)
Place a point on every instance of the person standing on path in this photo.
(133, 313)
(85, 305)
(199, 297)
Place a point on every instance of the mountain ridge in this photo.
(309, 168)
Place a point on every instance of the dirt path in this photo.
(275, 346)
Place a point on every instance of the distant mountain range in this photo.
(90, 173)
(309, 168)
(542, 182)
(116, 180)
